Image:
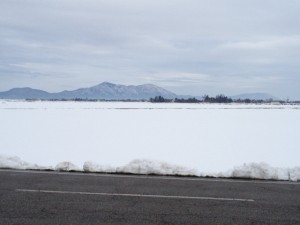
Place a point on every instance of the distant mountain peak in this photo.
(107, 84)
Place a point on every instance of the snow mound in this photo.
(139, 166)
(14, 162)
(265, 171)
(67, 166)
(155, 167)
(294, 174)
(94, 167)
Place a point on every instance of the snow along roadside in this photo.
(249, 170)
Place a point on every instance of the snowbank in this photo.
(265, 171)
(294, 174)
(155, 167)
(141, 167)
(94, 167)
(67, 166)
(138, 166)
(14, 162)
(248, 170)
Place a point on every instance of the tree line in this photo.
(207, 99)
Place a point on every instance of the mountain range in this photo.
(105, 91)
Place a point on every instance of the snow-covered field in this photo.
(258, 141)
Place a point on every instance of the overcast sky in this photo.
(187, 46)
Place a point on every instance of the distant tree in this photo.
(159, 99)
(189, 100)
(206, 98)
(218, 99)
(247, 100)
(223, 99)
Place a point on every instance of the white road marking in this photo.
(135, 195)
(225, 180)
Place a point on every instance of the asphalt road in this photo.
(29, 197)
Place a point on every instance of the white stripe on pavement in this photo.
(135, 195)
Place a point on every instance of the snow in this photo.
(67, 166)
(14, 162)
(260, 171)
(141, 166)
(169, 138)
(155, 167)
(90, 166)
(247, 171)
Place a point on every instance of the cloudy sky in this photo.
(187, 46)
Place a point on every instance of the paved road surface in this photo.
(34, 198)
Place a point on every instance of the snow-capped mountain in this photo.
(105, 91)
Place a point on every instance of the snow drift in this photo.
(9, 162)
(156, 167)
(146, 167)
(67, 166)
(94, 167)
(266, 172)
(142, 167)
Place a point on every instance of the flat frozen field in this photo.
(206, 138)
